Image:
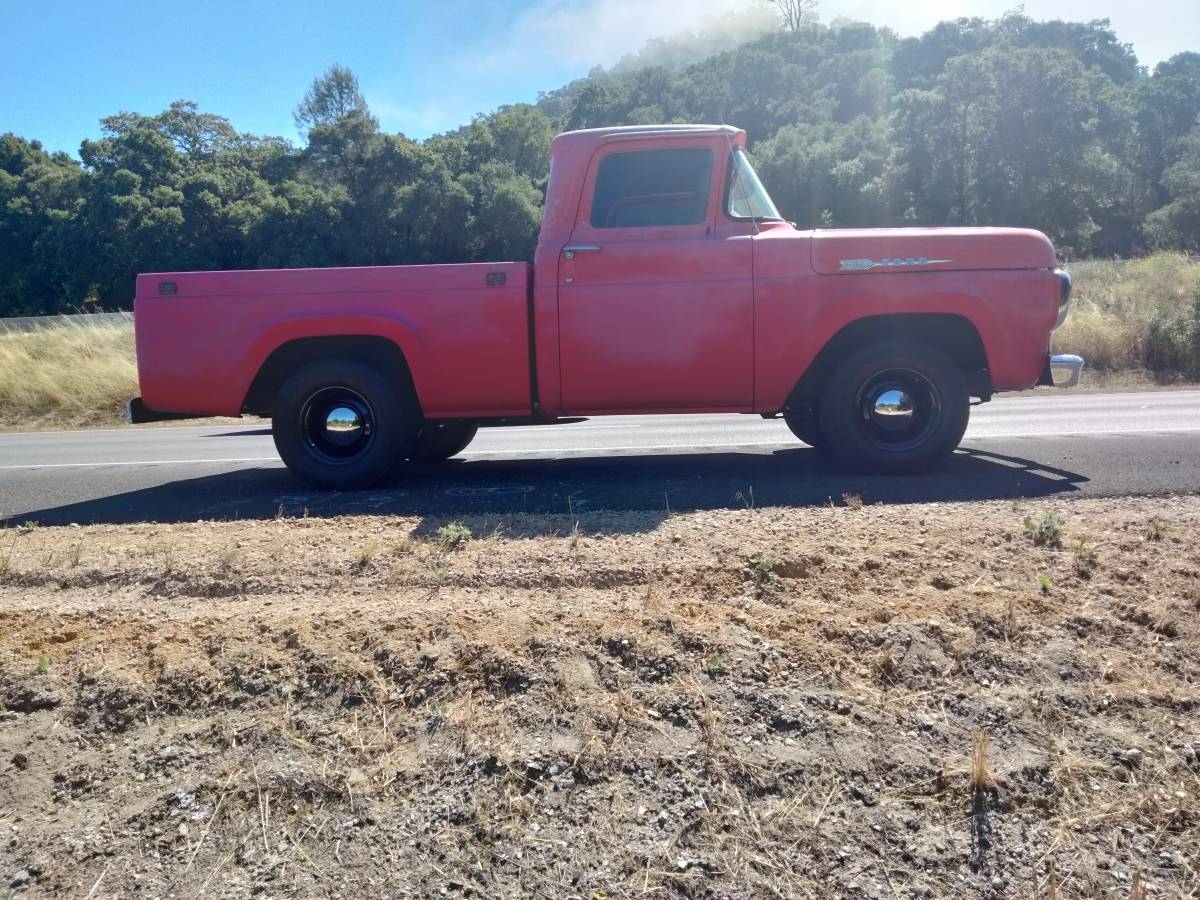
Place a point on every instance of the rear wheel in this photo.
(894, 406)
(439, 441)
(339, 424)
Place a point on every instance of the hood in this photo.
(878, 250)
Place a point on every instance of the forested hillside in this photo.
(1052, 125)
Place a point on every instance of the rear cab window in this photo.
(653, 188)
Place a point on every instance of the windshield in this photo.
(748, 199)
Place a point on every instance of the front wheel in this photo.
(339, 424)
(894, 407)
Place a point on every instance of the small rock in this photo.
(1132, 757)
(26, 875)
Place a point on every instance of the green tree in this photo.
(506, 212)
(1177, 223)
(1007, 136)
(1168, 103)
(39, 193)
(332, 96)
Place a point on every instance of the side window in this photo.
(645, 188)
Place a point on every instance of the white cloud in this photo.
(1156, 28)
(598, 32)
(585, 33)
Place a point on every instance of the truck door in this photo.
(655, 303)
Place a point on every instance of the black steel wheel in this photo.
(894, 406)
(339, 424)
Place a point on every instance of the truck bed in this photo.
(464, 329)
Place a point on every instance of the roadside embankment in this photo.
(941, 700)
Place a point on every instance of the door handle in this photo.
(571, 249)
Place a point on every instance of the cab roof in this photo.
(619, 130)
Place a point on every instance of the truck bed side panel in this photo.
(466, 342)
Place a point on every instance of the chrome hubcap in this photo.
(338, 424)
(892, 410)
(343, 426)
(898, 410)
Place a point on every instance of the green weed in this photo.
(1048, 531)
(453, 535)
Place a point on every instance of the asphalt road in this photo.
(1023, 446)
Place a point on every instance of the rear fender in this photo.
(399, 330)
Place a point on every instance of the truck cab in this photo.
(644, 272)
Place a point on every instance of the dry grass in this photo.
(66, 376)
(1127, 315)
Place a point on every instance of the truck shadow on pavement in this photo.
(569, 486)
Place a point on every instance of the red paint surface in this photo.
(466, 343)
(720, 316)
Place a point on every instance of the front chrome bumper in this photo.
(1062, 370)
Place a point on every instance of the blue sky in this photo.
(424, 67)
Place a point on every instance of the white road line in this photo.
(558, 428)
(140, 462)
(707, 446)
(529, 451)
(131, 429)
(1103, 431)
(796, 443)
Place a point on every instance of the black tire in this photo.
(897, 406)
(380, 424)
(804, 425)
(439, 441)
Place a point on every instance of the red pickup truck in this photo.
(664, 281)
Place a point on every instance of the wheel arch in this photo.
(953, 334)
(380, 352)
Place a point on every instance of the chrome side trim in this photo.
(865, 265)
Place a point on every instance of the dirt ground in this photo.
(743, 704)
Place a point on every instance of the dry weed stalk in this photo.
(1052, 884)
(1137, 887)
(981, 776)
